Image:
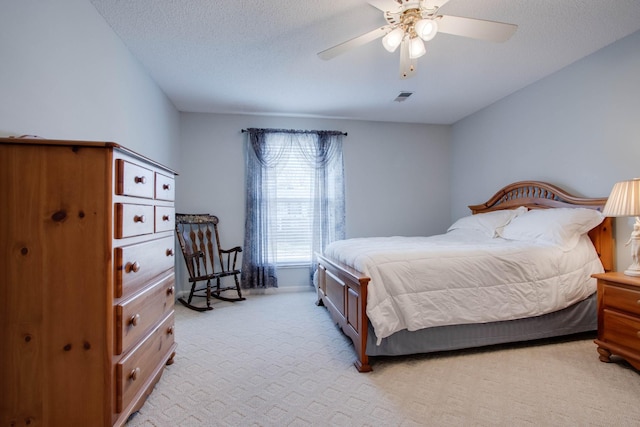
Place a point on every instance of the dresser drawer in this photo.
(135, 369)
(164, 187)
(134, 180)
(133, 220)
(136, 316)
(165, 218)
(621, 329)
(135, 265)
(621, 298)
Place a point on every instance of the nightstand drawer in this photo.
(137, 315)
(621, 329)
(615, 296)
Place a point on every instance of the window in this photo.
(294, 210)
(295, 199)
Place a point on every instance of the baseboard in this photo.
(279, 290)
(246, 292)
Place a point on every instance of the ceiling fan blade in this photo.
(476, 28)
(385, 5)
(341, 48)
(431, 3)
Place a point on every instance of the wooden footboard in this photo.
(343, 291)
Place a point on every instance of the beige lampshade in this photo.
(624, 199)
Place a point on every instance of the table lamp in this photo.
(625, 201)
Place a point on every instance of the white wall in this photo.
(66, 75)
(397, 175)
(578, 128)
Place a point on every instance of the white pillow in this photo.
(489, 223)
(560, 226)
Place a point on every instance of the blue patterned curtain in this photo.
(266, 149)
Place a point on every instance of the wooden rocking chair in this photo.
(206, 262)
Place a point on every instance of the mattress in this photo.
(465, 278)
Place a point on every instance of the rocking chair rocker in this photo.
(196, 233)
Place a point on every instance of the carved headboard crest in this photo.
(536, 195)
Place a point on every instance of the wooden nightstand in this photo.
(619, 317)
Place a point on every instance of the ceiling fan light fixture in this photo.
(393, 39)
(426, 29)
(416, 48)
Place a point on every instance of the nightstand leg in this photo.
(605, 355)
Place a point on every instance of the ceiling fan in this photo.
(412, 22)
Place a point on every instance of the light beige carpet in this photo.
(276, 360)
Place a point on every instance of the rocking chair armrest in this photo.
(230, 257)
(236, 249)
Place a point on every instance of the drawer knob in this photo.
(165, 217)
(166, 186)
(134, 374)
(135, 320)
(139, 218)
(170, 330)
(132, 267)
(140, 180)
(169, 252)
(171, 290)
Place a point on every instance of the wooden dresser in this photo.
(619, 317)
(87, 285)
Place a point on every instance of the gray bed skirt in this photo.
(580, 317)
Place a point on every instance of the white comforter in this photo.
(458, 278)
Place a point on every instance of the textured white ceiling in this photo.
(259, 56)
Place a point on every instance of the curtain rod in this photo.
(342, 133)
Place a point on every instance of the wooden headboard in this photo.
(542, 195)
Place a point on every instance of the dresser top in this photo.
(33, 140)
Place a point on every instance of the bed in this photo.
(353, 274)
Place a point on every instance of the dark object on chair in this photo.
(196, 235)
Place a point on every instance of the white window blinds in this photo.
(292, 189)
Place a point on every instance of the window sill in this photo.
(294, 265)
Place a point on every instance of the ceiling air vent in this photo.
(403, 96)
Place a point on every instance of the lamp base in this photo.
(634, 241)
